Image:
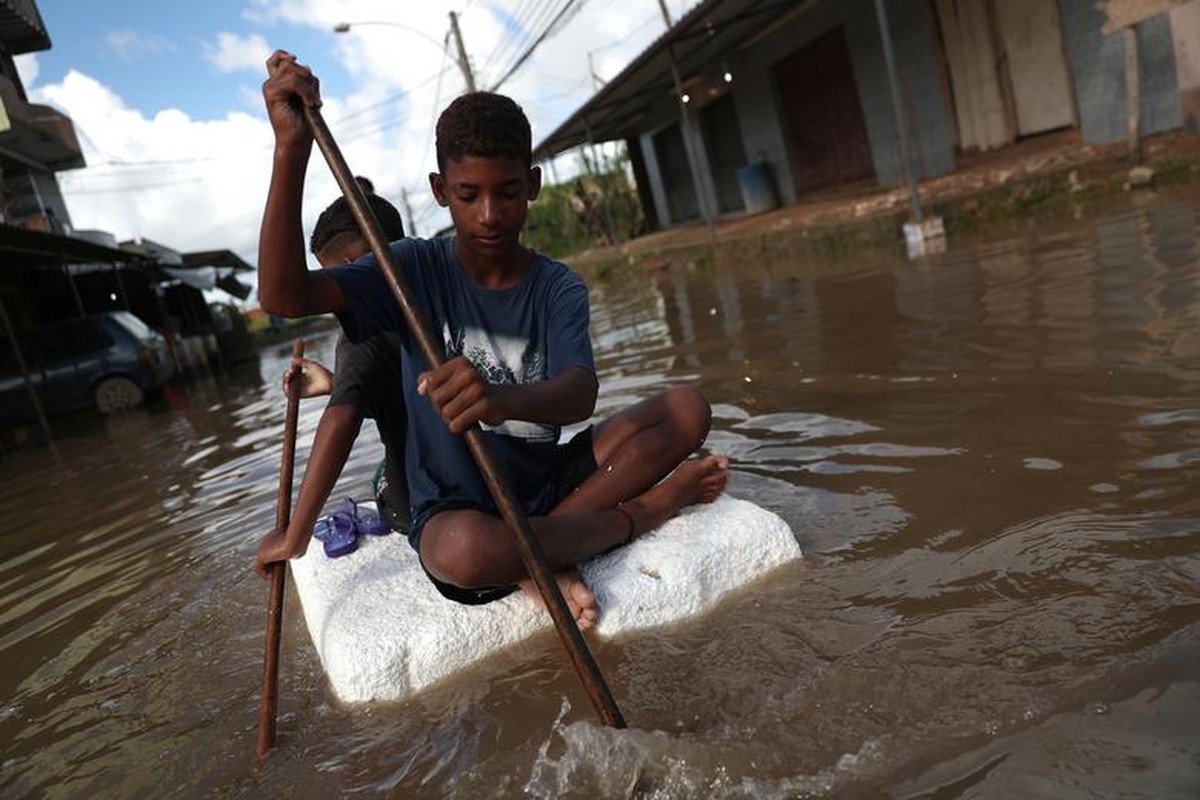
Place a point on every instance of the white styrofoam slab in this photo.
(383, 631)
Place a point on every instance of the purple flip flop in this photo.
(366, 521)
(337, 533)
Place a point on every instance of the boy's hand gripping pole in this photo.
(527, 545)
(269, 700)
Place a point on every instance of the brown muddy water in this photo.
(990, 459)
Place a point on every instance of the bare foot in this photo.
(700, 480)
(697, 480)
(580, 600)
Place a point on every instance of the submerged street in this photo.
(988, 458)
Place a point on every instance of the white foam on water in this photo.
(383, 631)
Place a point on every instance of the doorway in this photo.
(827, 135)
(726, 153)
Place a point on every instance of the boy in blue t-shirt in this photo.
(519, 362)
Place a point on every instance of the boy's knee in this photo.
(692, 413)
(456, 555)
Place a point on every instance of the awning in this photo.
(704, 45)
(217, 258)
(225, 264)
(209, 278)
(21, 248)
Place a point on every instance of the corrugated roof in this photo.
(634, 101)
(21, 27)
(216, 258)
(21, 248)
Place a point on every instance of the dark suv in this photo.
(106, 361)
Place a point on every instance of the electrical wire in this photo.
(567, 6)
(138, 188)
(530, 31)
(521, 19)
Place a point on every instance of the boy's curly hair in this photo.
(483, 124)
(337, 220)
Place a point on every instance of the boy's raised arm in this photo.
(285, 286)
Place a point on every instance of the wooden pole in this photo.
(898, 117)
(1133, 102)
(33, 394)
(269, 701)
(464, 63)
(527, 544)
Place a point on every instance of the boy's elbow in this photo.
(301, 298)
(272, 297)
(271, 304)
(279, 306)
(588, 397)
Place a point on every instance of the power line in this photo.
(353, 134)
(393, 98)
(521, 19)
(529, 31)
(137, 188)
(568, 92)
(437, 100)
(111, 161)
(567, 6)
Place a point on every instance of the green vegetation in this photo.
(593, 210)
(1175, 171)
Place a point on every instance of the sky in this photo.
(166, 97)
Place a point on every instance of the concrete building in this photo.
(35, 140)
(765, 101)
(1185, 25)
(50, 272)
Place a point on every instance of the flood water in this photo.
(990, 459)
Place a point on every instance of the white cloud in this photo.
(190, 184)
(129, 44)
(197, 184)
(233, 52)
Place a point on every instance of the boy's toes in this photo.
(714, 479)
(580, 599)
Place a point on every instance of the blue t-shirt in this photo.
(527, 333)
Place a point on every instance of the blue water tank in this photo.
(758, 188)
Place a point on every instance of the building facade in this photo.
(800, 90)
(36, 141)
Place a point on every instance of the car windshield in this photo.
(134, 324)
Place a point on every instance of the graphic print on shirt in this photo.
(501, 361)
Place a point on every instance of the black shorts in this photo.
(577, 462)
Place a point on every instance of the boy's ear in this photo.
(535, 183)
(437, 185)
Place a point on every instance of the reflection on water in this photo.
(989, 459)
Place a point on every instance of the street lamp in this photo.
(461, 61)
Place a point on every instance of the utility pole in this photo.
(597, 83)
(463, 63)
(1133, 102)
(689, 146)
(889, 60)
(662, 6)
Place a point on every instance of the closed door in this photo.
(824, 119)
(1032, 35)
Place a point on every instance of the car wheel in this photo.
(117, 394)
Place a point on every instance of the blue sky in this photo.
(147, 50)
(165, 97)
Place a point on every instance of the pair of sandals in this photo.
(339, 531)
